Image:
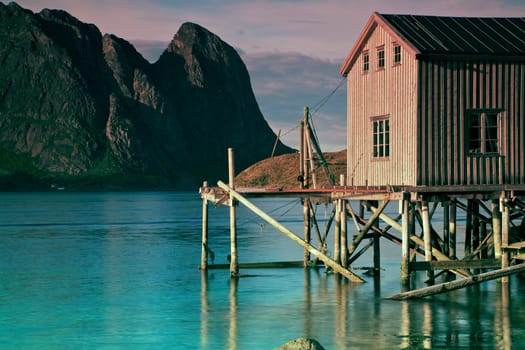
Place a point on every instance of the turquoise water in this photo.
(119, 271)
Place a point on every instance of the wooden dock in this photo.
(494, 233)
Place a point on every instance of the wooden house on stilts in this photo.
(436, 109)
(435, 119)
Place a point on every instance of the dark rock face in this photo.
(79, 104)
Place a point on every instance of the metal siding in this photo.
(462, 35)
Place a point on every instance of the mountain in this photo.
(86, 109)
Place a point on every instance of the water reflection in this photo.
(232, 334)
(343, 315)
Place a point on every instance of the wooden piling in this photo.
(205, 247)
(377, 250)
(337, 232)
(405, 241)
(476, 222)
(496, 228)
(234, 264)
(468, 228)
(307, 230)
(505, 220)
(452, 230)
(446, 228)
(427, 237)
(344, 234)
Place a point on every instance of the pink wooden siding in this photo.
(447, 91)
(387, 92)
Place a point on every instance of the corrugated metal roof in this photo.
(461, 35)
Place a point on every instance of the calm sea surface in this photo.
(119, 271)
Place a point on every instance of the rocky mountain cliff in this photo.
(80, 107)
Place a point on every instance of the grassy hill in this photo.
(282, 171)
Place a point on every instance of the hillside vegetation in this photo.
(282, 171)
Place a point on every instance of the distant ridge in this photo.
(87, 110)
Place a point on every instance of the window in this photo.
(366, 61)
(483, 133)
(381, 137)
(397, 53)
(381, 57)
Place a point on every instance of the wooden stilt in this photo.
(233, 332)
(446, 228)
(316, 226)
(483, 238)
(234, 264)
(412, 228)
(344, 235)
(505, 221)
(337, 232)
(475, 224)
(377, 250)
(452, 230)
(468, 228)
(307, 231)
(205, 247)
(496, 228)
(405, 242)
(427, 237)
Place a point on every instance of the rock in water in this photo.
(301, 344)
(77, 104)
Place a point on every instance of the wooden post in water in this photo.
(452, 230)
(496, 228)
(337, 232)
(475, 225)
(405, 241)
(307, 231)
(234, 264)
(377, 247)
(505, 220)
(446, 228)
(468, 228)
(205, 248)
(427, 237)
(343, 232)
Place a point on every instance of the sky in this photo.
(293, 49)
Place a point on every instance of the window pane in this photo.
(483, 132)
(397, 54)
(381, 58)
